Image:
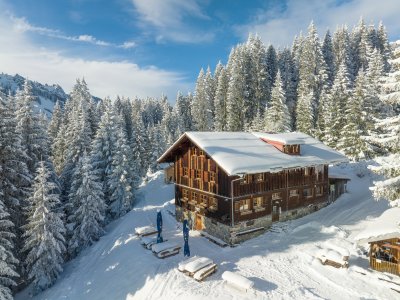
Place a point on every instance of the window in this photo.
(293, 193)
(306, 171)
(194, 196)
(244, 180)
(319, 190)
(258, 202)
(259, 177)
(185, 172)
(237, 206)
(195, 151)
(276, 196)
(213, 204)
(201, 152)
(244, 205)
(185, 194)
(307, 193)
(212, 176)
(197, 174)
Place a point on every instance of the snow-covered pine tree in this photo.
(271, 67)
(342, 50)
(329, 58)
(359, 44)
(103, 147)
(7, 262)
(55, 123)
(33, 138)
(121, 181)
(15, 178)
(384, 46)
(157, 147)
(201, 112)
(277, 117)
(210, 86)
(372, 102)
(139, 144)
(44, 236)
(261, 78)
(220, 123)
(59, 150)
(389, 165)
(287, 67)
(87, 196)
(312, 75)
(338, 98)
(351, 141)
(237, 89)
(182, 112)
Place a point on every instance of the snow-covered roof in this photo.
(387, 226)
(246, 153)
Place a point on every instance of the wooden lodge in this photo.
(383, 237)
(234, 185)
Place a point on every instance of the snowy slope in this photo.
(280, 262)
(47, 95)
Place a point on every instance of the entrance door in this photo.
(199, 222)
(276, 211)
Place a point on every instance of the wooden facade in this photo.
(385, 256)
(204, 188)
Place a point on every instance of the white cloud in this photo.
(279, 27)
(21, 25)
(166, 19)
(18, 54)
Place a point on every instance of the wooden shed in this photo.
(383, 237)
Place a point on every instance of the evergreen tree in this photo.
(220, 123)
(261, 78)
(327, 53)
(33, 138)
(277, 117)
(59, 150)
(182, 112)
(56, 121)
(271, 67)
(15, 180)
(312, 75)
(384, 46)
(8, 262)
(104, 147)
(339, 97)
(287, 68)
(121, 180)
(87, 196)
(201, 111)
(44, 232)
(235, 102)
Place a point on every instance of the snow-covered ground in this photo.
(281, 262)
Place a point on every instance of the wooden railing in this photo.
(384, 266)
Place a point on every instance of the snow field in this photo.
(281, 264)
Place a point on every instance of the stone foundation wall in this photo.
(238, 233)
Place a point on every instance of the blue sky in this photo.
(146, 47)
